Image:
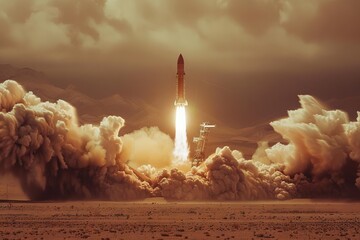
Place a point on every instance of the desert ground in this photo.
(156, 218)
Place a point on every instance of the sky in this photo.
(245, 60)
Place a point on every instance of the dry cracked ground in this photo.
(158, 219)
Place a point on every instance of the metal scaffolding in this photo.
(200, 142)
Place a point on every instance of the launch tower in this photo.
(200, 142)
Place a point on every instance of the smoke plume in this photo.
(226, 175)
(322, 153)
(148, 146)
(55, 157)
(43, 144)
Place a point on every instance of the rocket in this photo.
(180, 86)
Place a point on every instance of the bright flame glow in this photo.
(181, 151)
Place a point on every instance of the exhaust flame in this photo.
(181, 150)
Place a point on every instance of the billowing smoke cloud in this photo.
(148, 146)
(43, 144)
(321, 159)
(56, 158)
(322, 152)
(226, 175)
(317, 139)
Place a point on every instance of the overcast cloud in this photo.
(246, 60)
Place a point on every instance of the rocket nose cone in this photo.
(180, 59)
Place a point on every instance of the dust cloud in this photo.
(54, 157)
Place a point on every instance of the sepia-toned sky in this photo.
(245, 60)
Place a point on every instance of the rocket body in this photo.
(180, 86)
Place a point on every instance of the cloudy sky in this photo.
(245, 60)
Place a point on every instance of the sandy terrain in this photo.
(158, 219)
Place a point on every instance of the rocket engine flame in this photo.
(181, 150)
